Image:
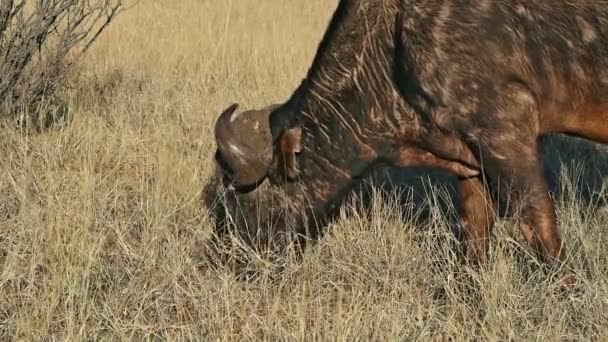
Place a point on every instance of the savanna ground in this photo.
(102, 227)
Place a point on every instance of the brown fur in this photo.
(478, 216)
(415, 157)
(289, 147)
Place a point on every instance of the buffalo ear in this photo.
(290, 145)
(291, 141)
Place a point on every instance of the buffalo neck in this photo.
(348, 106)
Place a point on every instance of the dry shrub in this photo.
(40, 43)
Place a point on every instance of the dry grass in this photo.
(101, 225)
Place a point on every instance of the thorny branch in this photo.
(41, 41)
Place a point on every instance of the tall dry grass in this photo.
(101, 225)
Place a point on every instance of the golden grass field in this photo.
(102, 227)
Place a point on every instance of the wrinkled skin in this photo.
(468, 87)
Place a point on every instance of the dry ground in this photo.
(101, 224)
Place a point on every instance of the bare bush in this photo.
(40, 43)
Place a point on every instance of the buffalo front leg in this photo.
(508, 146)
(538, 221)
(477, 215)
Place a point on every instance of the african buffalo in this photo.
(468, 86)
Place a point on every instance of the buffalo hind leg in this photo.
(478, 217)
